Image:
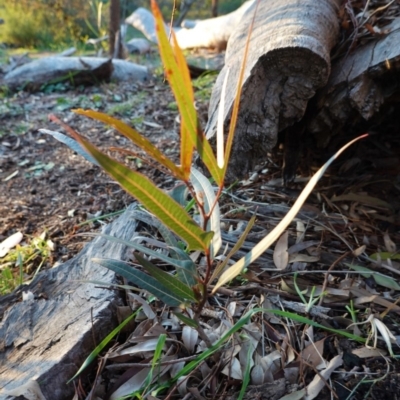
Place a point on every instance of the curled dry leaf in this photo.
(189, 337)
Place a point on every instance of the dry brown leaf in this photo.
(312, 354)
(318, 383)
(389, 244)
(281, 255)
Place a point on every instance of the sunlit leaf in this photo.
(265, 243)
(183, 97)
(141, 279)
(220, 124)
(154, 199)
(136, 138)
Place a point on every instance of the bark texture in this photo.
(47, 338)
(288, 61)
(363, 85)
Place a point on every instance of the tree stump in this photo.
(288, 62)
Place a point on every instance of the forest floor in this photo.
(48, 190)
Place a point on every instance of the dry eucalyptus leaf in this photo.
(281, 255)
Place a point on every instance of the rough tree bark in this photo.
(363, 89)
(47, 338)
(116, 49)
(288, 61)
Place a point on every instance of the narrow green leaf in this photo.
(173, 284)
(380, 279)
(384, 256)
(168, 211)
(188, 321)
(136, 138)
(188, 271)
(304, 320)
(182, 96)
(265, 243)
(143, 280)
(156, 357)
(103, 344)
(246, 374)
(180, 263)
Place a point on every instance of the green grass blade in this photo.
(265, 243)
(143, 280)
(136, 138)
(304, 320)
(246, 375)
(103, 344)
(173, 284)
(156, 358)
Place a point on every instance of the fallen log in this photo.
(361, 90)
(209, 33)
(75, 70)
(288, 62)
(47, 338)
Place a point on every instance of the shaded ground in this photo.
(46, 187)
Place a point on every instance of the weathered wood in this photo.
(210, 33)
(46, 339)
(288, 61)
(360, 84)
(138, 45)
(76, 70)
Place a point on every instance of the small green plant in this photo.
(22, 261)
(312, 300)
(352, 311)
(185, 289)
